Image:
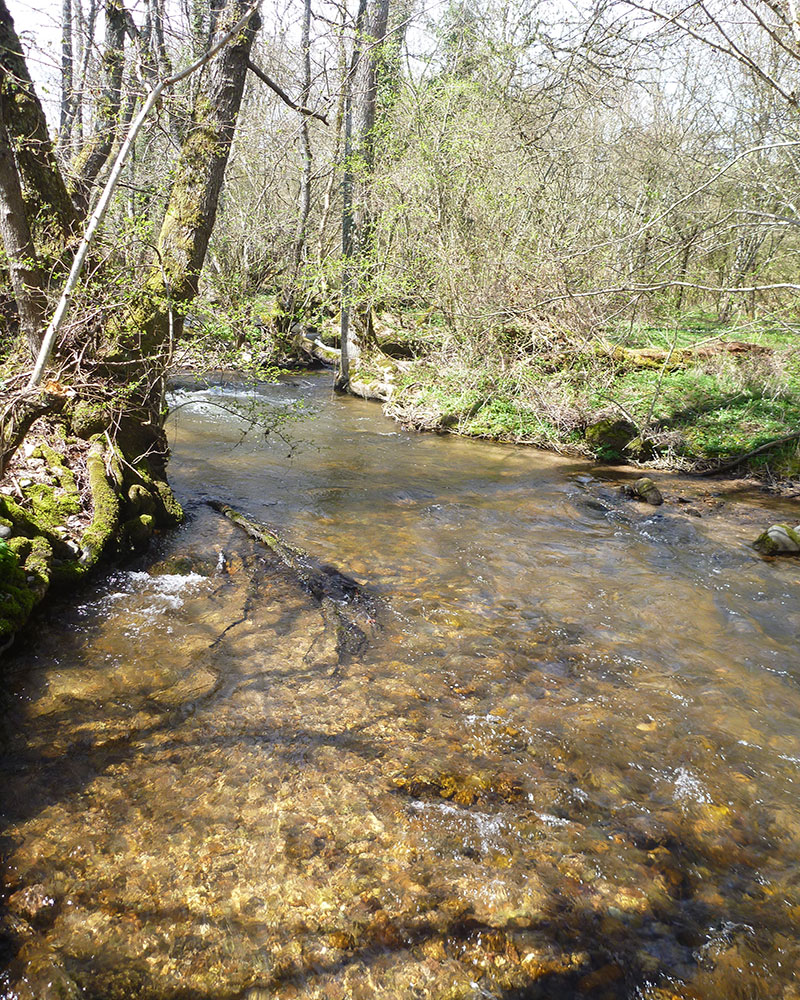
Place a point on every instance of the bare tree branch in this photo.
(262, 76)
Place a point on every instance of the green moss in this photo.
(11, 511)
(140, 499)
(106, 508)
(51, 506)
(38, 565)
(89, 418)
(21, 547)
(137, 531)
(17, 599)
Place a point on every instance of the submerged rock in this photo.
(644, 489)
(779, 539)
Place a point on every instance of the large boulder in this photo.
(609, 436)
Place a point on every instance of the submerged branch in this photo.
(346, 606)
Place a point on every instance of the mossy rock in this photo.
(52, 505)
(141, 500)
(609, 436)
(644, 489)
(38, 566)
(88, 419)
(17, 599)
(640, 449)
(138, 531)
(779, 539)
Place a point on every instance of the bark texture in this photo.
(50, 210)
(157, 317)
(26, 276)
(91, 159)
(360, 142)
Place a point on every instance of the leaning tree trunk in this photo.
(144, 338)
(50, 209)
(157, 315)
(112, 470)
(27, 280)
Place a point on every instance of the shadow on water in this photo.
(578, 951)
(554, 775)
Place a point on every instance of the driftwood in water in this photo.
(346, 607)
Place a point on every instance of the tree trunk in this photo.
(305, 144)
(90, 161)
(79, 87)
(192, 207)
(26, 276)
(349, 345)
(360, 141)
(50, 209)
(66, 75)
(367, 77)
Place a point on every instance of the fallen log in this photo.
(346, 606)
(651, 357)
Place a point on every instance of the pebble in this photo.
(5, 531)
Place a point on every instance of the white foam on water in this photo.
(486, 829)
(688, 787)
(551, 820)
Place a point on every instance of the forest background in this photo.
(546, 187)
(567, 224)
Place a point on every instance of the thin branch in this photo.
(283, 95)
(661, 285)
(684, 198)
(756, 451)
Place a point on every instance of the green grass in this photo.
(711, 410)
(693, 329)
(504, 419)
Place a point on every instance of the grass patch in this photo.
(711, 410)
(694, 329)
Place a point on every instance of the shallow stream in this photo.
(567, 764)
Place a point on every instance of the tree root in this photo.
(65, 503)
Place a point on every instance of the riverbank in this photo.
(76, 488)
(695, 398)
(69, 497)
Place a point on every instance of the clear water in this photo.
(568, 766)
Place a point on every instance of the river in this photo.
(565, 765)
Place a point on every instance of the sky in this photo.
(39, 26)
